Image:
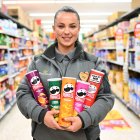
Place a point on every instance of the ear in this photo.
(53, 27)
(79, 28)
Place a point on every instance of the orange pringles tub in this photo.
(67, 100)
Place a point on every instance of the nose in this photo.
(67, 30)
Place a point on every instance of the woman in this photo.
(65, 57)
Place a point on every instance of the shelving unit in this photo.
(120, 47)
(14, 54)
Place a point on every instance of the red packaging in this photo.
(95, 80)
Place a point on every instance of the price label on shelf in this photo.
(137, 45)
(137, 31)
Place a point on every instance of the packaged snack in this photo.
(54, 93)
(81, 92)
(37, 88)
(67, 100)
(95, 80)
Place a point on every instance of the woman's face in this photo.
(66, 28)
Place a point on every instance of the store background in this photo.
(109, 29)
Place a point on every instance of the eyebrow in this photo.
(69, 24)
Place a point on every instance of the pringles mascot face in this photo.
(81, 93)
(54, 90)
(68, 90)
(35, 80)
(92, 89)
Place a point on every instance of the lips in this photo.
(67, 38)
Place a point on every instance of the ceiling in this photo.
(92, 12)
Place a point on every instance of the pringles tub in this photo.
(95, 80)
(67, 100)
(54, 85)
(81, 92)
(38, 90)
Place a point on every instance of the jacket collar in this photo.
(50, 51)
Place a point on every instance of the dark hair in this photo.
(67, 9)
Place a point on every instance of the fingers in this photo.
(69, 119)
(54, 112)
(76, 124)
(50, 120)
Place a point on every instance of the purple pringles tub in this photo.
(38, 90)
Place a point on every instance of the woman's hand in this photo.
(50, 121)
(76, 124)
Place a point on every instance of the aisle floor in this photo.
(16, 127)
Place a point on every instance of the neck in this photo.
(65, 49)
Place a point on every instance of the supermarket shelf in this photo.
(3, 94)
(135, 70)
(14, 75)
(3, 62)
(5, 112)
(22, 48)
(14, 35)
(25, 57)
(8, 108)
(127, 105)
(4, 16)
(105, 38)
(134, 111)
(129, 31)
(3, 78)
(3, 47)
(125, 17)
(131, 50)
(22, 69)
(13, 49)
(106, 48)
(114, 62)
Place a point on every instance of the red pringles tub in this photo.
(95, 80)
(38, 90)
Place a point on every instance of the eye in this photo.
(71, 88)
(61, 26)
(72, 26)
(57, 90)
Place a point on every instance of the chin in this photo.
(67, 44)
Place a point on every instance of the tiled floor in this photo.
(16, 127)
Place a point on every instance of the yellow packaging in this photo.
(67, 100)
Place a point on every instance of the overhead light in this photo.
(88, 26)
(63, 1)
(81, 14)
(47, 2)
(47, 26)
(47, 21)
(41, 14)
(96, 14)
(94, 21)
(112, 1)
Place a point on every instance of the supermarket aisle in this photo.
(15, 127)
